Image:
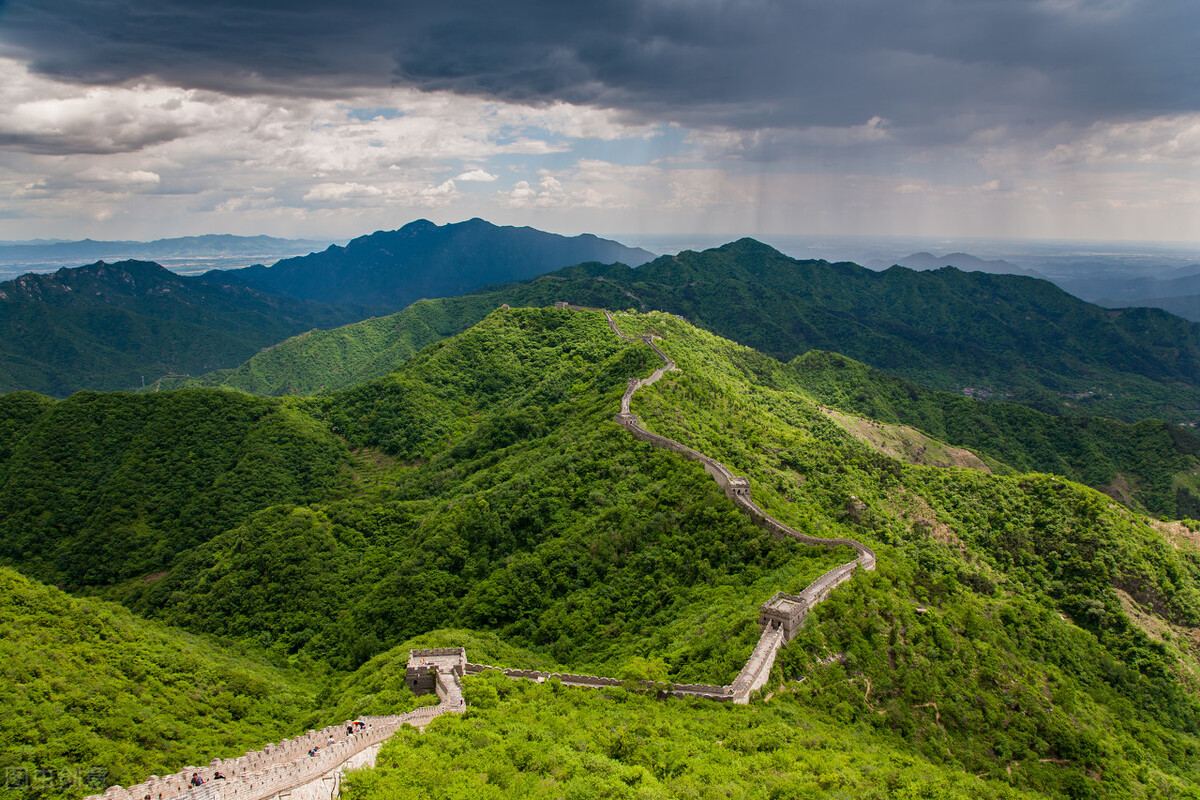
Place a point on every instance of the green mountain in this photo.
(991, 336)
(394, 268)
(1153, 466)
(1000, 335)
(94, 696)
(1020, 627)
(115, 326)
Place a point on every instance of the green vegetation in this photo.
(1019, 626)
(519, 739)
(344, 357)
(1002, 336)
(1015, 337)
(347, 356)
(95, 696)
(1149, 465)
(1028, 588)
(119, 326)
(101, 487)
(522, 509)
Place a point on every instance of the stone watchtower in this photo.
(785, 611)
(738, 487)
(424, 666)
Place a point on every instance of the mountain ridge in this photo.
(111, 326)
(944, 329)
(421, 259)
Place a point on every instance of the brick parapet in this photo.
(277, 767)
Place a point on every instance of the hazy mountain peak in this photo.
(391, 269)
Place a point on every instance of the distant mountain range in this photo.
(394, 268)
(1179, 295)
(42, 252)
(109, 325)
(1000, 336)
(964, 261)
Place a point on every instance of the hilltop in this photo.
(1020, 627)
(114, 326)
(393, 268)
(1002, 337)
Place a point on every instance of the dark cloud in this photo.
(934, 68)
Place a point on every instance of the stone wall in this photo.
(277, 767)
(758, 668)
(775, 633)
(281, 767)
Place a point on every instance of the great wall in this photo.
(309, 767)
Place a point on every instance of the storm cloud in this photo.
(934, 70)
(144, 118)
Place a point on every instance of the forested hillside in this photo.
(1006, 336)
(118, 326)
(1002, 337)
(101, 487)
(1019, 627)
(1150, 465)
(93, 696)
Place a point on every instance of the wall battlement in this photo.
(782, 615)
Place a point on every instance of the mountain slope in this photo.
(1002, 336)
(393, 268)
(1151, 465)
(944, 329)
(93, 696)
(1021, 627)
(109, 326)
(101, 487)
(344, 357)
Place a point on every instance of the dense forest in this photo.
(1150, 465)
(1001, 337)
(121, 325)
(1020, 627)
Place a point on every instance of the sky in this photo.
(144, 119)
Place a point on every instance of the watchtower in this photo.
(738, 487)
(424, 665)
(785, 611)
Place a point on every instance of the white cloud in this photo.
(327, 192)
(151, 160)
(478, 176)
(130, 178)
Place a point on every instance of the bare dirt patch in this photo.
(1176, 533)
(1119, 489)
(905, 443)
